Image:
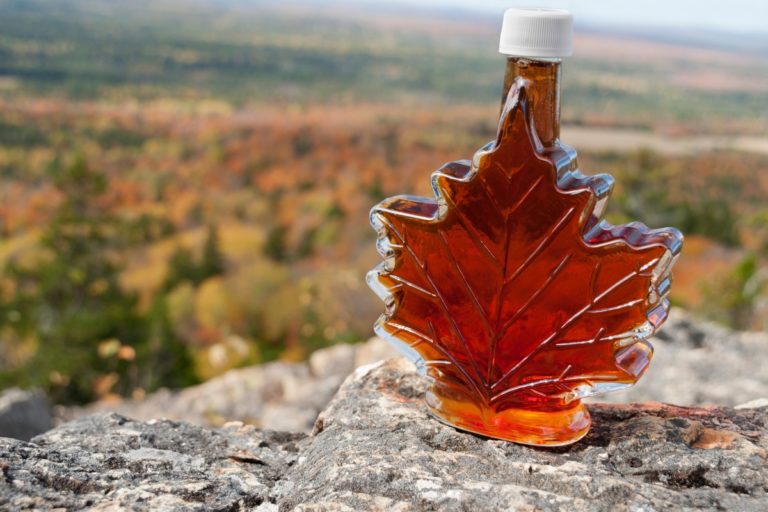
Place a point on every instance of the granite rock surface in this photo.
(24, 413)
(374, 447)
(108, 462)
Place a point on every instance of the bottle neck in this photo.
(543, 78)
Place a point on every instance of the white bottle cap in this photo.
(546, 33)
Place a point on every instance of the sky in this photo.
(740, 16)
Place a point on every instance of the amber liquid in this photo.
(516, 301)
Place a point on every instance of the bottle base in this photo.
(533, 428)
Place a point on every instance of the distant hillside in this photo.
(252, 51)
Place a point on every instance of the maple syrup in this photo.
(506, 288)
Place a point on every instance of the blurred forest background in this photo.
(185, 185)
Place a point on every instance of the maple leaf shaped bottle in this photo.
(507, 289)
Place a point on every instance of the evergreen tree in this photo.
(275, 246)
(732, 298)
(172, 366)
(212, 262)
(182, 266)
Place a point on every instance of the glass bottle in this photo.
(507, 289)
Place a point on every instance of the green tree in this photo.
(183, 267)
(306, 247)
(732, 298)
(212, 262)
(376, 190)
(172, 365)
(275, 246)
(71, 299)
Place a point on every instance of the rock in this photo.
(754, 404)
(250, 395)
(697, 362)
(333, 361)
(375, 448)
(111, 463)
(24, 414)
(274, 396)
(373, 350)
